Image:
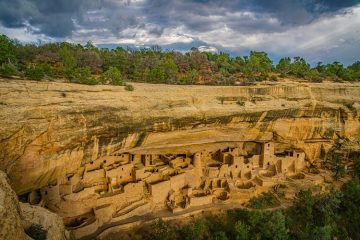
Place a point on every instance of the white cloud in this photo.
(314, 41)
(24, 35)
(208, 49)
(329, 37)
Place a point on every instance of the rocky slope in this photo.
(50, 129)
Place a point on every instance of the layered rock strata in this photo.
(57, 135)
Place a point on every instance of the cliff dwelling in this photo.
(112, 188)
(101, 170)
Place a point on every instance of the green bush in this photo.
(82, 76)
(265, 200)
(7, 70)
(112, 76)
(34, 73)
(160, 230)
(129, 87)
(273, 78)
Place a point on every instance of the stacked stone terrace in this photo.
(117, 187)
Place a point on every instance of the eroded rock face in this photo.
(49, 130)
(20, 220)
(11, 217)
(51, 223)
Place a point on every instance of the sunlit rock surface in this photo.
(50, 129)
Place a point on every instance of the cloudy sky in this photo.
(319, 30)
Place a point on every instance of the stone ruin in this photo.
(114, 188)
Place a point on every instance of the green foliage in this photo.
(299, 67)
(265, 200)
(157, 75)
(333, 215)
(34, 73)
(129, 87)
(321, 233)
(189, 78)
(7, 70)
(284, 66)
(112, 76)
(350, 208)
(68, 58)
(170, 71)
(153, 65)
(241, 230)
(357, 168)
(273, 78)
(160, 230)
(258, 63)
(355, 71)
(219, 236)
(195, 230)
(7, 50)
(337, 166)
(83, 76)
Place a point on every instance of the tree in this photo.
(350, 208)
(68, 59)
(157, 74)
(7, 70)
(321, 233)
(299, 67)
(90, 59)
(190, 77)
(82, 75)
(355, 71)
(34, 73)
(160, 230)
(357, 168)
(219, 236)
(284, 66)
(257, 64)
(276, 226)
(300, 215)
(241, 230)
(337, 166)
(7, 50)
(112, 76)
(194, 230)
(170, 70)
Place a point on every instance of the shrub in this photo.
(112, 76)
(273, 78)
(129, 87)
(194, 230)
(82, 75)
(34, 73)
(160, 230)
(7, 70)
(265, 200)
(316, 78)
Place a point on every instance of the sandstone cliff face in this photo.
(50, 129)
(17, 218)
(50, 222)
(10, 212)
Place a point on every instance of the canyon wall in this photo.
(49, 129)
